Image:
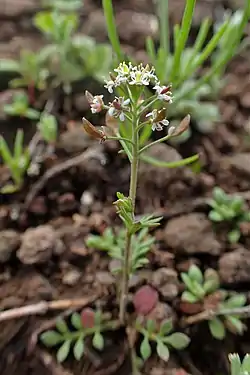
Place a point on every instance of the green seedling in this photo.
(48, 127)
(205, 289)
(230, 209)
(72, 335)
(238, 367)
(198, 286)
(18, 162)
(163, 338)
(114, 244)
(20, 107)
(194, 92)
(69, 56)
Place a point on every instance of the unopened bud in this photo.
(178, 130)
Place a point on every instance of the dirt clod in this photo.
(165, 280)
(9, 242)
(38, 245)
(234, 267)
(71, 277)
(192, 234)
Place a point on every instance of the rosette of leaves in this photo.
(238, 367)
(230, 209)
(226, 318)
(20, 107)
(48, 127)
(198, 286)
(69, 56)
(70, 336)
(114, 244)
(163, 338)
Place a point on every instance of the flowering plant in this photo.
(132, 112)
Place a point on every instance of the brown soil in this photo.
(43, 228)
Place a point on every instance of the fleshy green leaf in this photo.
(145, 349)
(238, 300)
(51, 338)
(63, 351)
(217, 328)
(215, 216)
(234, 236)
(235, 364)
(245, 367)
(76, 321)
(189, 297)
(162, 351)
(98, 341)
(78, 349)
(166, 327)
(177, 340)
(195, 274)
(151, 326)
(174, 164)
(235, 324)
(61, 325)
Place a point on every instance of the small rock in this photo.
(163, 258)
(192, 234)
(145, 299)
(105, 278)
(9, 243)
(71, 277)
(245, 100)
(38, 245)
(38, 206)
(240, 163)
(165, 280)
(162, 311)
(234, 267)
(67, 203)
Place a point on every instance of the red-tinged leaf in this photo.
(145, 299)
(88, 318)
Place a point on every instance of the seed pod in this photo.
(89, 97)
(92, 131)
(183, 126)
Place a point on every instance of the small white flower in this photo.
(163, 93)
(110, 86)
(118, 107)
(123, 69)
(157, 122)
(97, 104)
(139, 78)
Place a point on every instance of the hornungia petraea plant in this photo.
(129, 114)
(133, 112)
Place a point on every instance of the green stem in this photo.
(132, 196)
(154, 143)
(120, 139)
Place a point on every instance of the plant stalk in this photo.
(132, 196)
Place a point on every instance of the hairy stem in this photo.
(132, 196)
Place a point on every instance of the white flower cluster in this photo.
(132, 75)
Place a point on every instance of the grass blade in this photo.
(18, 145)
(111, 28)
(182, 37)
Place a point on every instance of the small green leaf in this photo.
(145, 348)
(177, 340)
(166, 327)
(151, 326)
(235, 324)
(217, 328)
(162, 351)
(61, 325)
(235, 364)
(63, 351)
(98, 341)
(195, 274)
(245, 367)
(78, 349)
(215, 216)
(189, 297)
(51, 338)
(238, 300)
(76, 321)
(234, 236)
